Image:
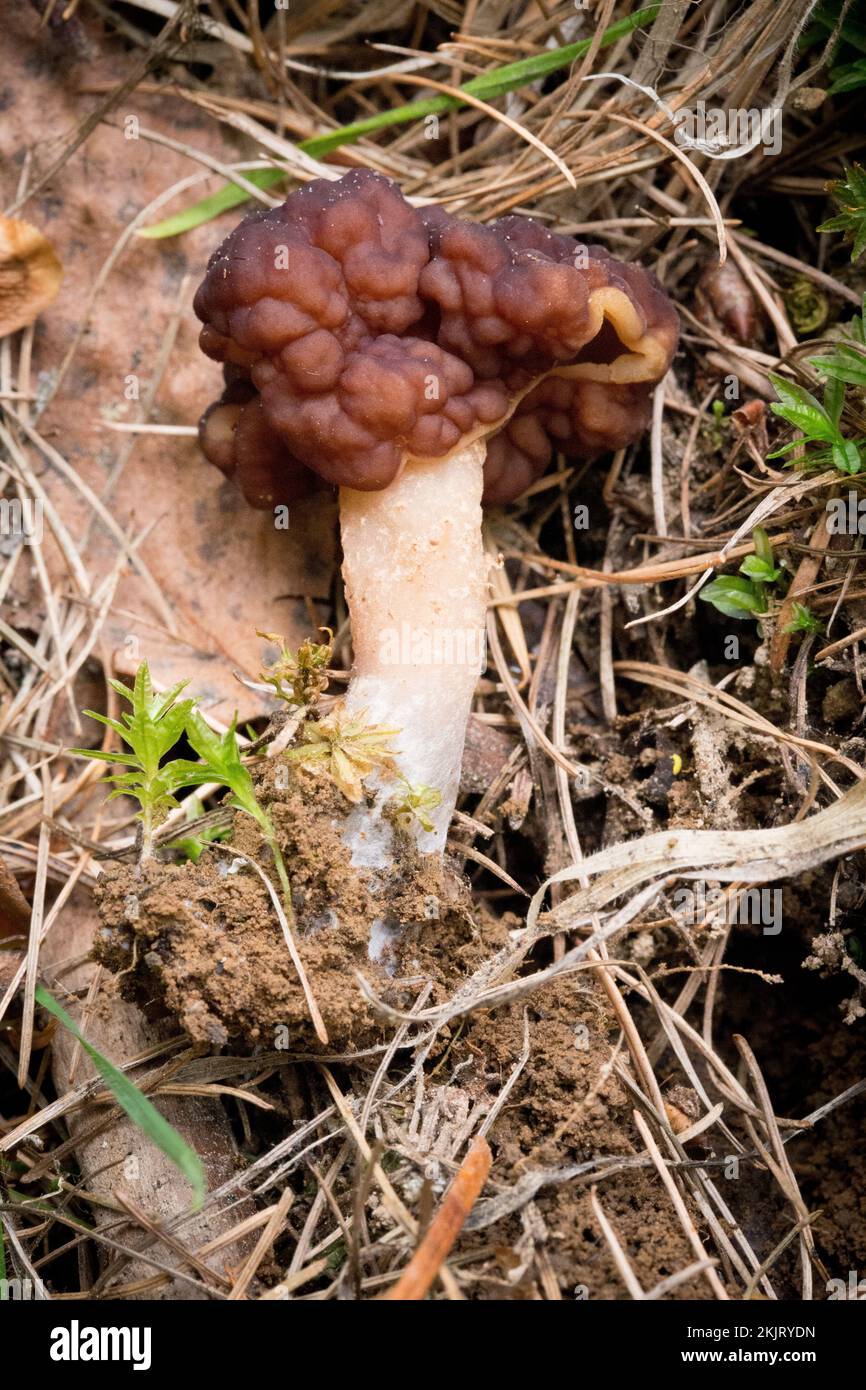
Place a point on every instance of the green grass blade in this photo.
(489, 85)
(141, 1111)
(228, 197)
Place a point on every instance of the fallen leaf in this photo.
(211, 570)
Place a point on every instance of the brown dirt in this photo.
(203, 940)
(565, 1110)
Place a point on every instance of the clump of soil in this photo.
(203, 942)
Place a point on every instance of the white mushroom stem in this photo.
(415, 577)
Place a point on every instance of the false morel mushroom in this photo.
(423, 365)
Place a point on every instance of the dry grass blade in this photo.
(753, 856)
(35, 935)
(627, 1274)
(680, 1207)
(263, 1245)
(519, 130)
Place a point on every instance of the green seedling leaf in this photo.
(763, 545)
(818, 424)
(757, 569)
(221, 762)
(151, 728)
(834, 400)
(735, 597)
(125, 759)
(849, 195)
(803, 620)
(221, 757)
(846, 365)
(846, 456)
(760, 566)
(141, 1111)
(801, 409)
(848, 78)
(154, 724)
(488, 86)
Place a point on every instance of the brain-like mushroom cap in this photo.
(357, 332)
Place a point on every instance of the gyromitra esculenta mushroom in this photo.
(422, 365)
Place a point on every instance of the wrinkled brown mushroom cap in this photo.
(358, 332)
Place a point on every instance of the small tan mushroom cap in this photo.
(30, 274)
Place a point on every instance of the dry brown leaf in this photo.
(223, 570)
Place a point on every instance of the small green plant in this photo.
(299, 677)
(415, 803)
(761, 567)
(735, 597)
(150, 730)
(849, 195)
(745, 595)
(804, 621)
(347, 749)
(847, 360)
(818, 423)
(716, 425)
(220, 756)
(846, 364)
